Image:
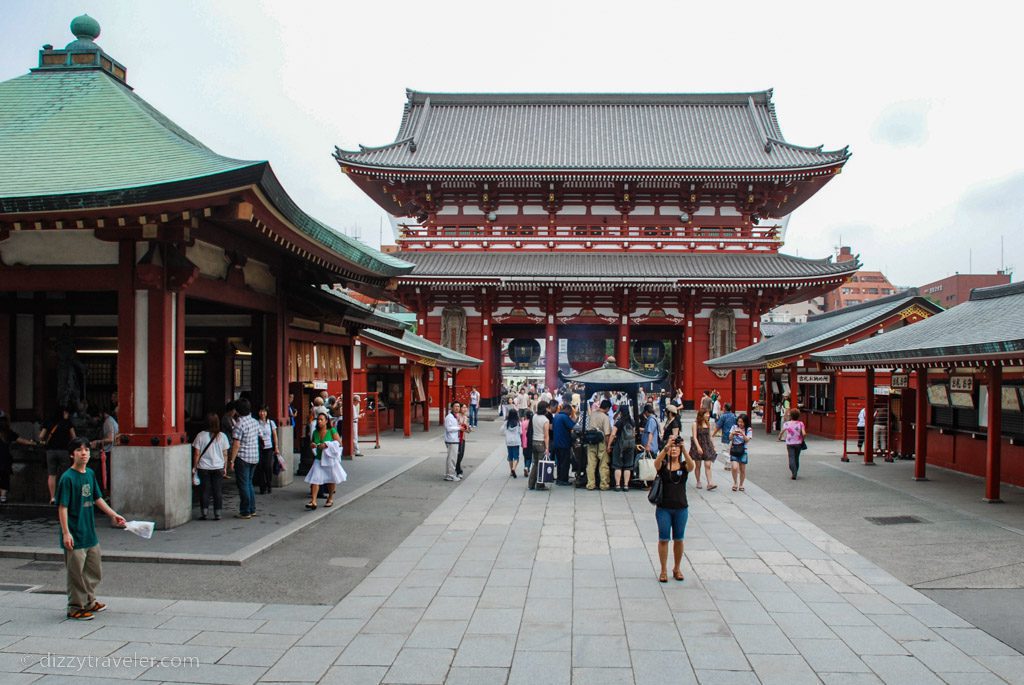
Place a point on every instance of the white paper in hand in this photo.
(144, 529)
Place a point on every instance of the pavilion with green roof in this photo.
(140, 268)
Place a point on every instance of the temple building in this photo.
(141, 271)
(648, 226)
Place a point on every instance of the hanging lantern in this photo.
(648, 353)
(524, 352)
(585, 353)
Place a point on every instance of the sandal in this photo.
(712, 487)
(663, 578)
(311, 505)
(678, 575)
(699, 486)
(329, 502)
(734, 488)
(741, 489)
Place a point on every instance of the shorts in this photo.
(739, 460)
(671, 521)
(57, 462)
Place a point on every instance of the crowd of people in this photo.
(598, 443)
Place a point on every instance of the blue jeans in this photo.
(246, 495)
(671, 520)
(473, 410)
(528, 456)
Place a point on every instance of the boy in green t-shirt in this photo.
(77, 495)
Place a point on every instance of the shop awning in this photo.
(418, 349)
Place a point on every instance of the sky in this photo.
(926, 97)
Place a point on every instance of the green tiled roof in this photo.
(82, 131)
(78, 138)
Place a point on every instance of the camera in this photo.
(678, 440)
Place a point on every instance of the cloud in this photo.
(902, 124)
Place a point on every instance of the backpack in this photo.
(626, 439)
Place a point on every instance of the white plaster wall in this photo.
(209, 258)
(63, 247)
(259, 278)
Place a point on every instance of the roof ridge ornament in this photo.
(81, 53)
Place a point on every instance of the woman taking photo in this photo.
(623, 442)
(208, 452)
(740, 436)
(319, 474)
(702, 447)
(793, 432)
(673, 465)
(267, 431)
(513, 439)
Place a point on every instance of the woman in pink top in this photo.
(793, 432)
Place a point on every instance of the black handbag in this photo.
(657, 492)
(803, 445)
(737, 450)
(592, 436)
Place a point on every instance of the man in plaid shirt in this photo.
(243, 458)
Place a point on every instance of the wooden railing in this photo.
(553, 237)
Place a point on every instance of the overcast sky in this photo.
(927, 98)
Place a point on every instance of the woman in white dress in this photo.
(326, 469)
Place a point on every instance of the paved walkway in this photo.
(227, 541)
(500, 584)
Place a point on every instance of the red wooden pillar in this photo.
(275, 383)
(179, 366)
(732, 398)
(794, 388)
(442, 395)
(348, 438)
(164, 359)
(425, 378)
(689, 356)
(921, 426)
(869, 416)
(486, 384)
(622, 341)
(551, 352)
(994, 443)
(769, 401)
(407, 399)
(750, 396)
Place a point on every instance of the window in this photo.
(818, 396)
(971, 413)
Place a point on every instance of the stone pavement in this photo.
(500, 584)
(228, 541)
